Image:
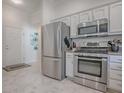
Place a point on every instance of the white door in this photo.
(74, 24)
(12, 46)
(86, 16)
(116, 17)
(100, 13)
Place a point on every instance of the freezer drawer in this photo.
(51, 67)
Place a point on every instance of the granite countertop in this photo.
(109, 53)
(113, 53)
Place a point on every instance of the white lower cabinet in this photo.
(69, 64)
(116, 66)
(115, 85)
(115, 73)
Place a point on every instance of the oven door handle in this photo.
(92, 59)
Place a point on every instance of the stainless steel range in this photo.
(90, 65)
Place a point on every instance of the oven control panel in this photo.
(94, 44)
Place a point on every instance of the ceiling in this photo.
(28, 5)
(33, 5)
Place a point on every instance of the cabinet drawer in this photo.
(116, 66)
(115, 85)
(69, 54)
(114, 74)
(69, 59)
(115, 59)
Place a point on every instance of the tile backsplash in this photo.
(81, 41)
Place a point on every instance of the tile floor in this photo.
(30, 80)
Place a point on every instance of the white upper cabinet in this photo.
(116, 17)
(86, 16)
(74, 24)
(100, 13)
(66, 20)
(56, 20)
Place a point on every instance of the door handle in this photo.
(6, 48)
(119, 67)
(92, 59)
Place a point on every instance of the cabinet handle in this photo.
(119, 67)
(120, 59)
(119, 74)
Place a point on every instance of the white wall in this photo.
(14, 17)
(29, 54)
(39, 52)
(36, 17)
(47, 8)
(36, 21)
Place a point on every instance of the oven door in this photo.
(92, 68)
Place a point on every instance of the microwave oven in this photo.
(97, 26)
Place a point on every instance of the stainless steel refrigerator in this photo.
(53, 57)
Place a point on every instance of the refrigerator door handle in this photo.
(59, 39)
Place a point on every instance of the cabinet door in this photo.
(115, 85)
(74, 24)
(69, 64)
(115, 73)
(100, 13)
(116, 17)
(66, 20)
(86, 16)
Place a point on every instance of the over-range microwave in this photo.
(97, 26)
